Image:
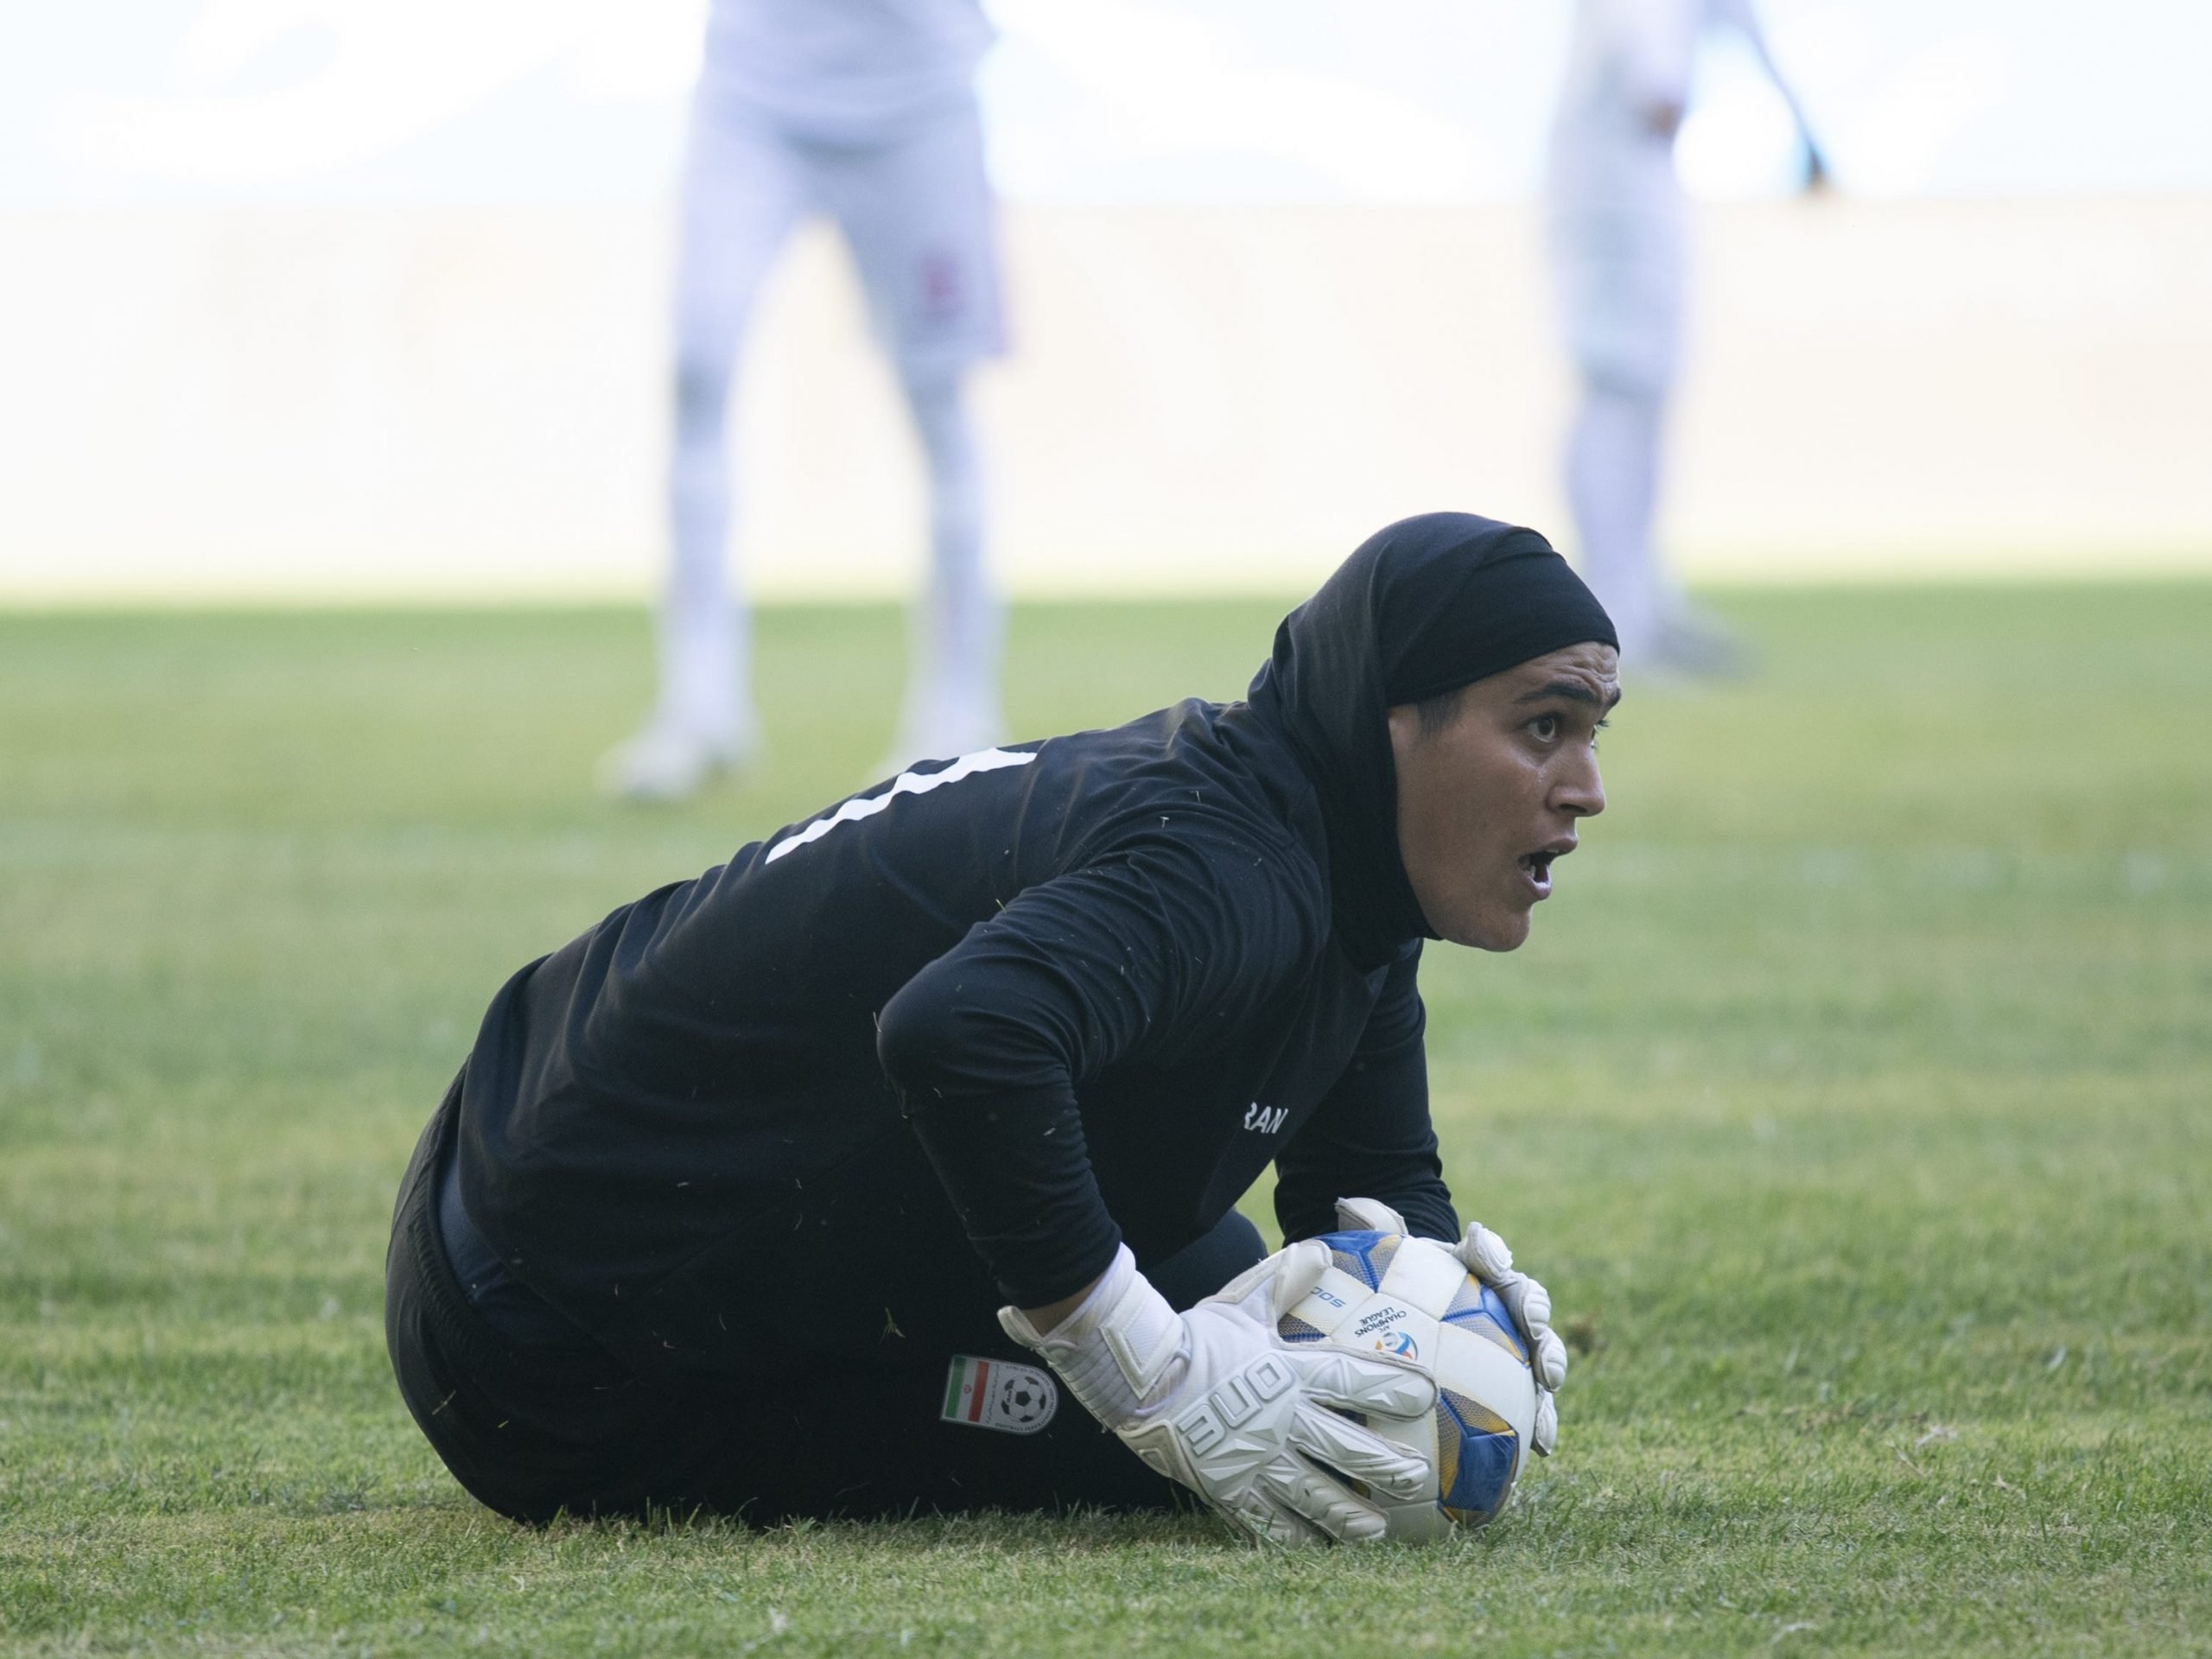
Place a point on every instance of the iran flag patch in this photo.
(999, 1394)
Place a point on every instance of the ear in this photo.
(1405, 729)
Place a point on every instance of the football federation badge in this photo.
(999, 1394)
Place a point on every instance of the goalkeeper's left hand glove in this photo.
(1484, 1255)
(1214, 1398)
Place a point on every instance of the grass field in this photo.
(1852, 1096)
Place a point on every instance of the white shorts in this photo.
(915, 205)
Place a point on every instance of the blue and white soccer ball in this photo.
(1389, 1294)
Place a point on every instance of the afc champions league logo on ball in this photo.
(1399, 1344)
(1385, 1325)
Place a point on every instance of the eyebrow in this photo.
(1573, 692)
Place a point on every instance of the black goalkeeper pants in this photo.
(534, 1429)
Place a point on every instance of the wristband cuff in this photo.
(1114, 1347)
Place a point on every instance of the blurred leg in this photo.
(1620, 276)
(741, 197)
(957, 624)
(1612, 478)
(917, 213)
(742, 192)
(1613, 459)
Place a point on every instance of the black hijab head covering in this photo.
(1421, 607)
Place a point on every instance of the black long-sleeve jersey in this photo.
(1049, 997)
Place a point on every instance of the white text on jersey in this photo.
(1266, 1119)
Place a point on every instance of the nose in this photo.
(1581, 793)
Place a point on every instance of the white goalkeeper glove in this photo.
(1484, 1255)
(1214, 1398)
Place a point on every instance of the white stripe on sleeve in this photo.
(908, 783)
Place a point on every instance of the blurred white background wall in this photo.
(308, 298)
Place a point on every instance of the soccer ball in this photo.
(1410, 1298)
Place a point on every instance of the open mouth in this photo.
(1536, 867)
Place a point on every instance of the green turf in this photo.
(1851, 1094)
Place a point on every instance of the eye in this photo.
(1546, 727)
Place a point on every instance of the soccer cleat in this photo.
(668, 761)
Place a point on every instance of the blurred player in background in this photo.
(864, 110)
(1617, 231)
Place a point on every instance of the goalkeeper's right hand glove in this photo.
(1214, 1398)
(1484, 1255)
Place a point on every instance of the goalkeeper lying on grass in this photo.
(719, 1211)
